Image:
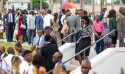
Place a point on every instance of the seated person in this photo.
(57, 59)
(38, 41)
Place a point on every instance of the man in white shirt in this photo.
(24, 66)
(7, 59)
(48, 18)
(31, 26)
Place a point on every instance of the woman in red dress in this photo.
(20, 21)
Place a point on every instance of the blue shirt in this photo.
(39, 41)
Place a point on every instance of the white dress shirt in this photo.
(31, 22)
(1, 25)
(8, 60)
(62, 19)
(4, 66)
(2, 55)
(10, 17)
(30, 70)
(47, 20)
(24, 67)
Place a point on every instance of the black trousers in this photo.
(10, 30)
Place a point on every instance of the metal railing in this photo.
(86, 48)
(68, 36)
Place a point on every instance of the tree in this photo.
(36, 4)
(45, 5)
(123, 1)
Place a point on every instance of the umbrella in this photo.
(67, 5)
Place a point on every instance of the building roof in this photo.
(19, 1)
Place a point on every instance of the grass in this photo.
(7, 45)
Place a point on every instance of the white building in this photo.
(21, 4)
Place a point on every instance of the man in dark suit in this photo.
(73, 22)
(39, 20)
(2, 52)
(49, 31)
(10, 21)
(47, 52)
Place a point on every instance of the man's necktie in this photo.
(38, 41)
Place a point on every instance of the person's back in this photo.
(47, 52)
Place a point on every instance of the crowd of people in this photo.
(43, 31)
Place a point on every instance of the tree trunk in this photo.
(93, 6)
(31, 4)
(41, 4)
(121, 3)
(112, 4)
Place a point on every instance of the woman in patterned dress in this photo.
(86, 38)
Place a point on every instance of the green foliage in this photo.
(36, 4)
(45, 5)
(123, 1)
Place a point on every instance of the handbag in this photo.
(65, 29)
(22, 26)
(111, 35)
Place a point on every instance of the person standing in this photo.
(113, 26)
(86, 38)
(121, 27)
(20, 23)
(31, 26)
(102, 13)
(10, 20)
(74, 26)
(98, 29)
(49, 31)
(48, 18)
(40, 21)
(55, 26)
(24, 31)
